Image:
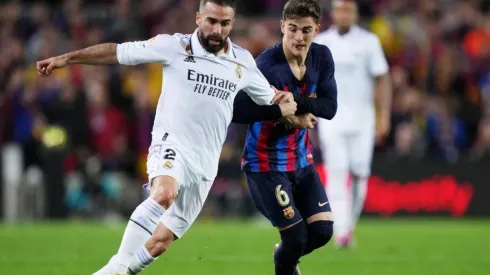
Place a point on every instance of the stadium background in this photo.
(73, 146)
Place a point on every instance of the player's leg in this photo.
(335, 156)
(361, 151)
(174, 223)
(273, 197)
(164, 176)
(312, 202)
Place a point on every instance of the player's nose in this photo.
(298, 37)
(217, 29)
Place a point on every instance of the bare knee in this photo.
(164, 197)
(164, 190)
(157, 248)
(160, 241)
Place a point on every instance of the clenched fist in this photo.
(306, 121)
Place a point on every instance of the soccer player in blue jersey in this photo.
(277, 157)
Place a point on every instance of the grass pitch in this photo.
(384, 247)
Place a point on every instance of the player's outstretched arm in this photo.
(246, 111)
(160, 48)
(95, 55)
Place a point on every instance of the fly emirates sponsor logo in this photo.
(210, 85)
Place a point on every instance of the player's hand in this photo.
(382, 128)
(288, 108)
(305, 121)
(281, 96)
(308, 120)
(46, 67)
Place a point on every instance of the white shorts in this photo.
(350, 151)
(165, 160)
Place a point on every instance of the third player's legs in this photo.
(336, 163)
(360, 155)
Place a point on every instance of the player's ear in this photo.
(283, 26)
(317, 29)
(198, 18)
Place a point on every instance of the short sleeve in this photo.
(258, 88)
(159, 49)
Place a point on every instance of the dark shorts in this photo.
(285, 198)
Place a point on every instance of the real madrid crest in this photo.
(238, 71)
(168, 165)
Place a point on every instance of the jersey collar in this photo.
(197, 49)
(352, 30)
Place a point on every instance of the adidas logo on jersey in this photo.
(189, 59)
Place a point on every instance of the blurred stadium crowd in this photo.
(101, 117)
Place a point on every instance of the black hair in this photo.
(224, 3)
(301, 9)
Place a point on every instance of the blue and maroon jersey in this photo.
(270, 146)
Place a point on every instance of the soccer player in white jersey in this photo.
(363, 115)
(203, 73)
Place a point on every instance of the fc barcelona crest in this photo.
(288, 212)
(238, 71)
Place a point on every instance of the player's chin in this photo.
(298, 50)
(214, 47)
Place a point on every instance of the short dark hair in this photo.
(229, 3)
(302, 8)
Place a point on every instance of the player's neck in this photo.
(294, 60)
(343, 30)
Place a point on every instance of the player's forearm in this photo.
(246, 111)
(320, 107)
(259, 113)
(100, 54)
(383, 95)
(293, 121)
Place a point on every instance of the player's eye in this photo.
(225, 24)
(292, 29)
(212, 21)
(307, 30)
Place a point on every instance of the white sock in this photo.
(141, 261)
(141, 226)
(339, 197)
(359, 191)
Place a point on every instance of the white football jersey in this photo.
(198, 88)
(358, 58)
